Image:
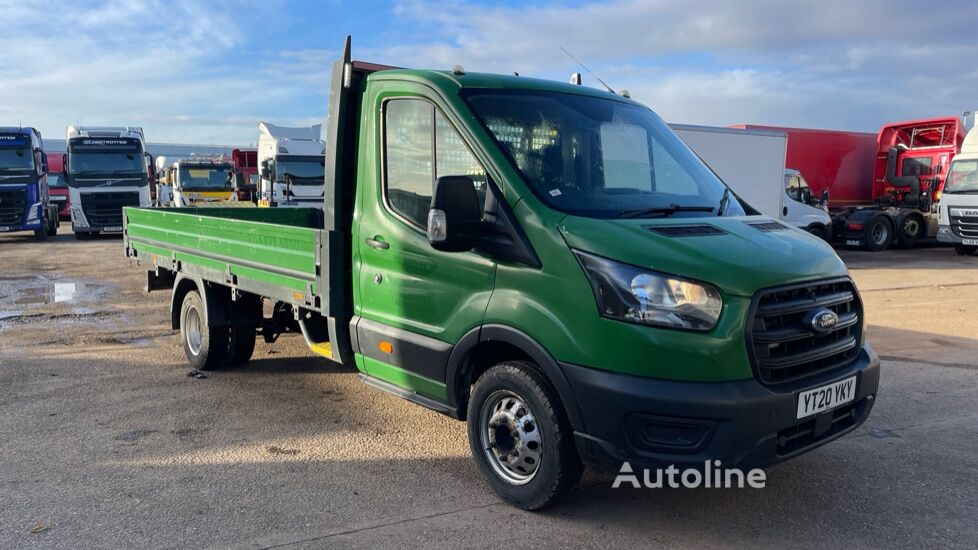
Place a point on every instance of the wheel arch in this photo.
(219, 309)
(487, 345)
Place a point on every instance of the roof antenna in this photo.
(589, 71)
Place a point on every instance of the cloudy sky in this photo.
(206, 71)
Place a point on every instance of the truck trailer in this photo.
(752, 163)
(290, 166)
(107, 168)
(545, 261)
(25, 203)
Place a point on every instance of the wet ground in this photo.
(107, 443)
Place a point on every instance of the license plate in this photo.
(826, 397)
(853, 242)
(969, 242)
(113, 228)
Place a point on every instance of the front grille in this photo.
(785, 348)
(105, 209)
(13, 202)
(964, 227)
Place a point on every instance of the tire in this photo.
(241, 344)
(53, 226)
(41, 234)
(206, 347)
(540, 461)
(82, 236)
(911, 230)
(879, 234)
(964, 250)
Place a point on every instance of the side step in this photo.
(405, 394)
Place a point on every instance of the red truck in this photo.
(58, 187)
(883, 188)
(245, 161)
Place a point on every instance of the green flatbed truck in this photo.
(545, 261)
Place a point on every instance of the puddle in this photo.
(25, 292)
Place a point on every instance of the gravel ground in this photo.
(106, 442)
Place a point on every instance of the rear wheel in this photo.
(965, 250)
(520, 437)
(206, 347)
(53, 225)
(879, 234)
(911, 230)
(241, 344)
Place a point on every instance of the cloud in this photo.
(850, 65)
(176, 67)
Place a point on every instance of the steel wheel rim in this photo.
(911, 227)
(192, 331)
(880, 233)
(510, 437)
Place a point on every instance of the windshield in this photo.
(16, 160)
(600, 158)
(56, 180)
(129, 163)
(962, 177)
(218, 177)
(302, 170)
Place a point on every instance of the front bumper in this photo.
(654, 423)
(945, 235)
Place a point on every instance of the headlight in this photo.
(629, 293)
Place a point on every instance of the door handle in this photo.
(377, 243)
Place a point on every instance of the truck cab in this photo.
(803, 209)
(58, 187)
(25, 203)
(959, 200)
(106, 168)
(291, 166)
(198, 182)
(245, 161)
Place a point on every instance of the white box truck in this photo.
(291, 165)
(958, 212)
(106, 168)
(752, 163)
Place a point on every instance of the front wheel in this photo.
(41, 234)
(965, 250)
(520, 437)
(206, 347)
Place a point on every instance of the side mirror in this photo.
(455, 218)
(64, 165)
(266, 169)
(825, 197)
(44, 163)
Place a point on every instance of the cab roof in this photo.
(450, 79)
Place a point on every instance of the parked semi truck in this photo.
(107, 168)
(959, 202)
(245, 161)
(290, 164)
(545, 261)
(25, 204)
(58, 187)
(884, 189)
(752, 163)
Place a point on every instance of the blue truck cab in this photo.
(24, 201)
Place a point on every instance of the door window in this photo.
(421, 146)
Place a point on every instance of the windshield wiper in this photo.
(723, 201)
(136, 172)
(663, 211)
